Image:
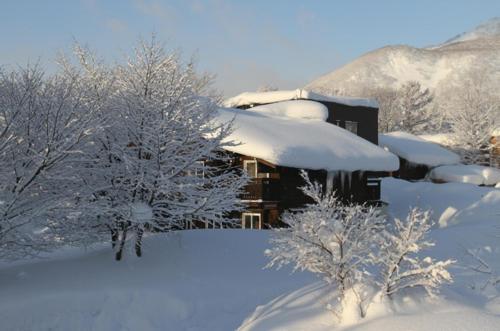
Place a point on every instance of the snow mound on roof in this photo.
(258, 98)
(303, 109)
(417, 150)
(473, 174)
(302, 143)
(445, 139)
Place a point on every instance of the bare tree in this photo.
(159, 163)
(44, 122)
(389, 115)
(474, 113)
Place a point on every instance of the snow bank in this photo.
(302, 143)
(193, 280)
(251, 98)
(473, 174)
(304, 109)
(417, 150)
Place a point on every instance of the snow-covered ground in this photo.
(467, 218)
(214, 279)
(195, 280)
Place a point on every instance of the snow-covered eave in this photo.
(259, 98)
(276, 163)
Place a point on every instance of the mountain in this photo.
(436, 67)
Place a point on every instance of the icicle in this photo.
(349, 177)
(342, 180)
(360, 175)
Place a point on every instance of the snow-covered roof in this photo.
(251, 98)
(303, 109)
(445, 139)
(417, 150)
(281, 134)
(473, 174)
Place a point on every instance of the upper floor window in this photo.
(250, 167)
(351, 126)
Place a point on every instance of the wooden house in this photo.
(277, 134)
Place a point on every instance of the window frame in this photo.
(252, 215)
(246, 162)
(348, 128)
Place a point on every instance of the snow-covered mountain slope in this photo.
(488, 29)
(434, 67)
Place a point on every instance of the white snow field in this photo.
(466, 217)
(195, 280)
(417, 150)
(214, 279)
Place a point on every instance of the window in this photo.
(250, 167)
(198, 170)
(351, 126)
(250, 221)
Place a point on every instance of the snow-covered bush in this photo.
(401, 267)
(327, 237)
(353, 248)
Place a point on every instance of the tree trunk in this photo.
(138, 242)
(119, 253)
(114, 237)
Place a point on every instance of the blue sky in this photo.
(246, 43)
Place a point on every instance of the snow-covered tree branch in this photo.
(401, 268)
(159, 163)
(327, 237)
(44, 122)
(474, 113)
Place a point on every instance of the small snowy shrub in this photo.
(340, 242)
(329, 238)
(401, 268)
